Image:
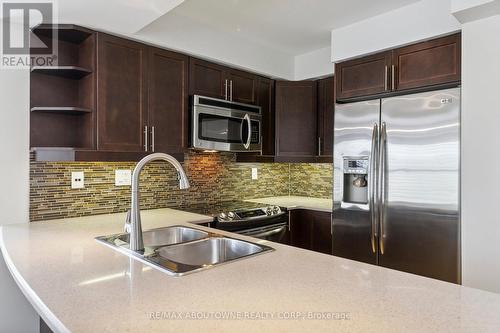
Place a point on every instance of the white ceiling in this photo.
(119, 16)
(291, 26)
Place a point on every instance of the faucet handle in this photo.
(128, 225)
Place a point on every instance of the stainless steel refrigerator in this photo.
(397, 183)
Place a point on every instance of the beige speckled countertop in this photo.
(295, 202)
(80, 285)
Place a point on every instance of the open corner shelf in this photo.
(65, 32)
(68, 110)
(68, 72)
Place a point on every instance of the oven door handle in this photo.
(249, 138)
(267, 233)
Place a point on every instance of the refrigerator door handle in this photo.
(372, 186)
(382, 185)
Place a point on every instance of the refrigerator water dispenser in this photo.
(356, 180)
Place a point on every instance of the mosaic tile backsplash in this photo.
(213, 177)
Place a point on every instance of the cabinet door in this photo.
(364, 77)
(242, 87)
(265, 99)
(326, 105)
(321, 237)
(296, 118)
(207, 79)
(300, 229)
(311, 230)
(429, 63)
(168, 101)
(121, 94)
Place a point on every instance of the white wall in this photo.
(470, 10)
(422, 20)
(16, 314)
(314, 64)
(481, 141)
(211, 44)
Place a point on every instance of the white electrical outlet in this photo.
(255, 174)
(123, 177)
(77, 180)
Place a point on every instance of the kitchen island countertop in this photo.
(80, 285)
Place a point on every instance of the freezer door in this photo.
(420, 190)
(352, 218)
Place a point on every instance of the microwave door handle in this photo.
(249, 138)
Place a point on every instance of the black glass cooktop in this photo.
(214, 209)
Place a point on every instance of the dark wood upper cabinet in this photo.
(365, 76)
(207, 79)
(296, 119)
(217, 81)
(168, 101)
(242, 87)
(121, 94)
(265, 99)
(428, 63)
(326, 106)
(417, 66)
(311, 230)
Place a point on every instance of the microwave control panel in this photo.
(255, 137)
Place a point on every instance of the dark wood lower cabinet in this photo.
(311, 230)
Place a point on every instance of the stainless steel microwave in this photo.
(225, 126)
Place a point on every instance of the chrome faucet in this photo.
(133, 223)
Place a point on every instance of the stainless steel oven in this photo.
(278, 233)
(225, 126)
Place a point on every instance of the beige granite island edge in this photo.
(88, 287)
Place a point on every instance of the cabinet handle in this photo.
(319, 146)
(331, 224)
(146, 138)
(153, 139)
(231, 90)
(225, 87)
(386, 86)
(393, 72)
(261, 145)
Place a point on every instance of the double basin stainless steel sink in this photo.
(179, 250)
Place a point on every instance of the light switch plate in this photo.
(123, 177)
(77, 180)
(255, 174)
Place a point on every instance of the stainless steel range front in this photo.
(225, 126)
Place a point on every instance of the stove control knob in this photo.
(269, 210)
(231, 215)
(276, 210)
(223, 216)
